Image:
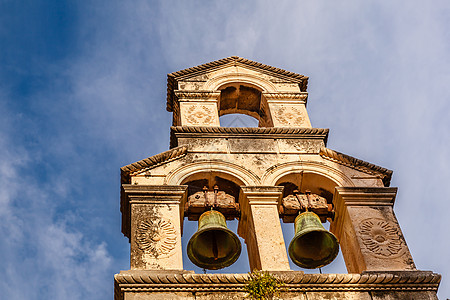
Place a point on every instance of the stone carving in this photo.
(157, 237)
(249, 130)
(197, 94)
(381, 237)
(199, 115)
(285, 96)
(289, 116)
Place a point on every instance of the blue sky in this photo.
(82, 93)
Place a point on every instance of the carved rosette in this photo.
(289, 116)
(157, 237)
(199, 115)
(381, 238)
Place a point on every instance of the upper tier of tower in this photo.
(198, 96)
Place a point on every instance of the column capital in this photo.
(365, 196)
(154, 194)
(262, 194)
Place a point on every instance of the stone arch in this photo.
(214, 83)
(241, 95)
(317, 177)
(231, 171)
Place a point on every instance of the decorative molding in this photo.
(249, 130)
(381, 238)
(140, 166)
(357, 164)
(197, 94)
(276, 132)
(285, 96)
(172, 78)
(294, 281)
(157, 237)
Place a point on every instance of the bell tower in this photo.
(280, 171)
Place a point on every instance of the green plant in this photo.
(263, 285)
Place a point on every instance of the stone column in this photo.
(155, 219)
(260, 227)
(368, 231)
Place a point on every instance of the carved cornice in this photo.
(172, 78)
(273, 132)
(357, 164)
(151, 162)
(249, 130)
(285, 96)
(294, 282)
(197, 94)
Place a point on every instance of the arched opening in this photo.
(198, 183)
(303, 181)
(238, 120)
(226, 182)
(322, 186)
(246, 99)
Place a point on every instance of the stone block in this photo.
(310, 146)
(247, 145)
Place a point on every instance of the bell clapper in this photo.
(214, 247)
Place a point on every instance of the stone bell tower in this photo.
(277, 172)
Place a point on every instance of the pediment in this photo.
(151, 162)
(357, 164)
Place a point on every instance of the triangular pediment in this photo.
(384, 174)
(198, 71)
(153, 161)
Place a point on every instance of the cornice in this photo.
(357, 164)
(196, 94)
(285, 95)
(172, 78)
(127, 171)
(271, 132)
(295, 282)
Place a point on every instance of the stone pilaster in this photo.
(156, 216)
(260, 227)
(368, 231)
(288, 109)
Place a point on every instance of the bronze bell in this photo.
(213, 246)
(312, 246)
